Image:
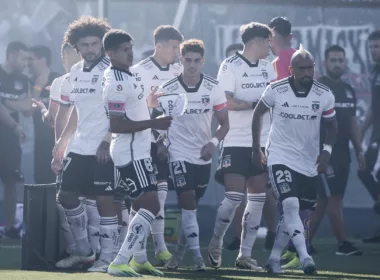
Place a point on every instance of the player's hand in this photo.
(207, 151)
(17, 129)
(59, 150)
(162, 151)
(258, 158)
(38, 104)
(152, 99)
(162, 123)
(56, 166)
(323, 161)
(361, 161)
(103, 152)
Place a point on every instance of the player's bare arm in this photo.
(221, 132)
(356, 142)
(331, 128)
(103, 151)
(236, 104)
(122, 124)
(367, 122)
(258, 113)
(67, 132)
(61, 119)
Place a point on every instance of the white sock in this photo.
(123, 228)
(190, 228)
(140, 255)
(282, 239)
(225, 215)
(108, 226)
(116, 240)
(251, 222)
(65, 230)
(181, 244)
(294, 226)
(93, 224)
(136, 236)
(158, 226)
(77, 220)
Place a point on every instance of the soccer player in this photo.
(281, 46)
(331, 192)
(370, 176)
(234, 48)
(153, 72)
(87, 168)
(14, 98)
(190, 144)
(131, 126)
(293, 156)
(69, 57)
(243, 77)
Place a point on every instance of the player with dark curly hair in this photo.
(87, 168)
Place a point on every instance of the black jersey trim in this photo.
(322, 86)
(232, 58)
(247, 61)
(100, 59)
(280, 83)
(158, 65)
(186, 88)
(210, 79)
(175, 79)
(295, 91)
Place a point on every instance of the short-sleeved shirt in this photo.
(151, 74)
(246, 81)
(83, 88)
(295, 130)
(345, 107)
(125, 96)
(55, 88)
(282, 62)
(191, 131)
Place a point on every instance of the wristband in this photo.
(108, 137)
(43, 111)
(215, 141)
(327, 148)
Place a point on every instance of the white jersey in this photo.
(55, 88)
(124, 96)
(151, 74)
(191, 131)
(296, 118)
(246, 81)
(83, 88)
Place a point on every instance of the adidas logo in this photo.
(285, 104)
(193, 235)
(109, 188)
(245, 74)
(155, 77)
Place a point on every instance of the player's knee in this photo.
(149, 201)
(291, 205)
(188, 200)
(68, 200)
(233, 199)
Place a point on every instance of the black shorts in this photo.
(10, 160)
(334, 181)
(187, 176)
(236, 160)
(136, 178)
(289, 183)
(84, 175)
(161, 166)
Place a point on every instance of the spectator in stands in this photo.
(371, 175)
(14, 98)
(42, 78)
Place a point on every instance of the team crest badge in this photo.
(315, 107)
(349, 94)
(94, 79)
(265, 74)
(205, 100)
